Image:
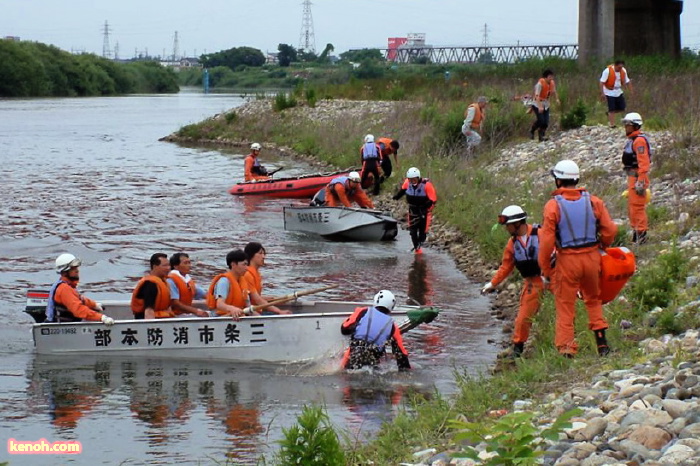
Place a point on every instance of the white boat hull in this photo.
(341, 223)
(311, 333)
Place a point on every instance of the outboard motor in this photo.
(37, 301)
(319, 198)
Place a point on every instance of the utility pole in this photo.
(106, 52)
(307, 39)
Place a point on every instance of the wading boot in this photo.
(518, 349)
(601, 342)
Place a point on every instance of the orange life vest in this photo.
(610, 83)
(546, 89)
(162, 305)
(616, 267)
(186, 290)
(478, 116)
(237, 296)
(253, 279)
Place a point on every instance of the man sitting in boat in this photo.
(253, 281)
(65, 303)
(346, 189)
(151, 297)
(371, 329)
(227, 293)
(183, 289)
(253, 170)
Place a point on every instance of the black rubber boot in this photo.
(601, 342)
(518, 349)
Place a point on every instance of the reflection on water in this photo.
(90, 177)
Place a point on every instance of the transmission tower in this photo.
(485, 40)
(116, 51)
(106, 51)
(176, 47)
(307, 40)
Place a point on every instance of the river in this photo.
(88, 176)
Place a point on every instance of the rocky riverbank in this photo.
(647, 414)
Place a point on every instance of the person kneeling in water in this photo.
(370, 329)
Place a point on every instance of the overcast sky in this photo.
(213, 25)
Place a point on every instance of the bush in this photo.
(311, 97)
(282, 101)
(656, 284)
(574, 118)
(312, 441)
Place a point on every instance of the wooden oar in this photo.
(287, 298)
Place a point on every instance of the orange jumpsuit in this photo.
(576, 268)
(636, 203)
(250, 174)
(340, 193)
(531, 291)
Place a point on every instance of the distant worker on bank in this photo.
(577, 224)
(521, 252)
(344, 190)
(387, 148)
(151, 297)
(371, 328)
(227, 293)
(612, 82)
(544, 90)
(636, 162)
(473, 122)
(253, 170)
(65, 304)
(371, 163)
(252, 280)
(183, 288)
(421, 196)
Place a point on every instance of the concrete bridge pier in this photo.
(610, 28)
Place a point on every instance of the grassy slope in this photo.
(470, 197)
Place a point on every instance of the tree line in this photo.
(32, 69)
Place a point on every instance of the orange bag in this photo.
(617, 266)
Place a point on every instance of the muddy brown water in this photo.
(89, 176)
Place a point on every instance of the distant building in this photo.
(12, 38)
(272, 58)
(414, 42)
(182, 63)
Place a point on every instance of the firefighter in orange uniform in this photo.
(473, 121)
(521, 252)
(65, 304)
(577, 224)
(387, 147)
(227, 294)
(183, 288)
(371, 155)
(343, 190)
(253, 170)
(636, 160)
(370, 329)
(421, 197)
(151, 297)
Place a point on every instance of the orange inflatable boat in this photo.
(617, 266)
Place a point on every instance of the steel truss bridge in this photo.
(495, 54)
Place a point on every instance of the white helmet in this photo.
(255, 146)
(633, 118)
(354, 176)
(369, 138)
(385, 299)
(66, 261)
(413, 172)
(512, 214)
(566, 170)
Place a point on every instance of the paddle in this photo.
(415, 317)
(270, 173)
(287, 298)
